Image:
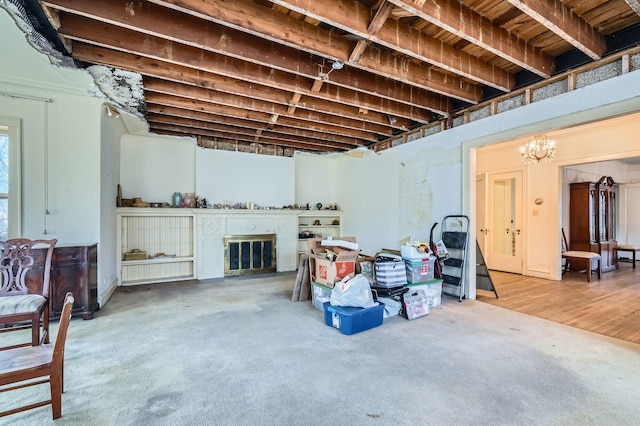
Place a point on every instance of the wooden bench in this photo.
(632, 249)
(583, 255)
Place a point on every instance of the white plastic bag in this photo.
(354, 291)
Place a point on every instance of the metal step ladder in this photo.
(455, 236)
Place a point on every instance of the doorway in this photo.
(499, 217)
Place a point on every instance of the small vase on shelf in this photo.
(177, 199)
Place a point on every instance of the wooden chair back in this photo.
(17, 260)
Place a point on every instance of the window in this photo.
(10, 179)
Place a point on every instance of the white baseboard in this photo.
(106, 295)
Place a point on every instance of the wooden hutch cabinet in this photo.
(592, 220)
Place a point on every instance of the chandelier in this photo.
(538, 148)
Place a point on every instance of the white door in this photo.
(504, 222)
(481, 212)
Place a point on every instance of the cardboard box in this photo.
(327, 271)
(350, 320)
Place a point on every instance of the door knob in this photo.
(518, 231)
(507, 230)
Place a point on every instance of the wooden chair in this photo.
(34, 365)
(633, 249)
(571, 255)
(24, 303)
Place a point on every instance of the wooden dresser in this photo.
(592, 220)
(74, 268)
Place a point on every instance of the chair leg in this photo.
(55, 384)
(599, 268)
(35, 329)
(589, 266)
(45, 324)
(633, 257)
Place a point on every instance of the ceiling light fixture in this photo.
(335, 65)
(538, 148)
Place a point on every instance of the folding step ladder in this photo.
(455, 236)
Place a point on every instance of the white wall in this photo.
(111, 131)
(240, 177)
(154, 167)
(629, 219)
(367, 191)
(315, 180)
(61, 142)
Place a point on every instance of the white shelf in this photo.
(326, 227)
(158, 260)
(153, 231)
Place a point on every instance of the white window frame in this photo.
(13, 130)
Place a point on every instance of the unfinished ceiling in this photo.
(331, 75)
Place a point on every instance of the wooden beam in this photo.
(231, 131)
(198, 74)
(462, 21)
(269, 25)
(561, 20)
(185, 131)
(205, 95)
(106, 35)
(277, 103)
(351, 16)
(211, 108)
(248, 123)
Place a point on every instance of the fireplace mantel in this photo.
(213, 224)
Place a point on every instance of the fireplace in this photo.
(249, 254)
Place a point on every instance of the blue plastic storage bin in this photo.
(350, 320)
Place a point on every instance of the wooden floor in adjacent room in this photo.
(609, 306)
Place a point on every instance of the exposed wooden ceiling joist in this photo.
(326, 75)
(462, 21)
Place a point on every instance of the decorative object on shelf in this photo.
(202, 203)
(137, 202)
(177, 199)
(319, 206)
(135, 254)
(119, 197)
(189, 200)
(538, 148)
(335, 222)
(161, 255)
(316, 222)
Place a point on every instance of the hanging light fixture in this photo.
(537, 149)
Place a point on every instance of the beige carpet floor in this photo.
(239, 352)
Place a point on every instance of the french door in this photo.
(503, 222)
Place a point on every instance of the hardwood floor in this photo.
(609, 306)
